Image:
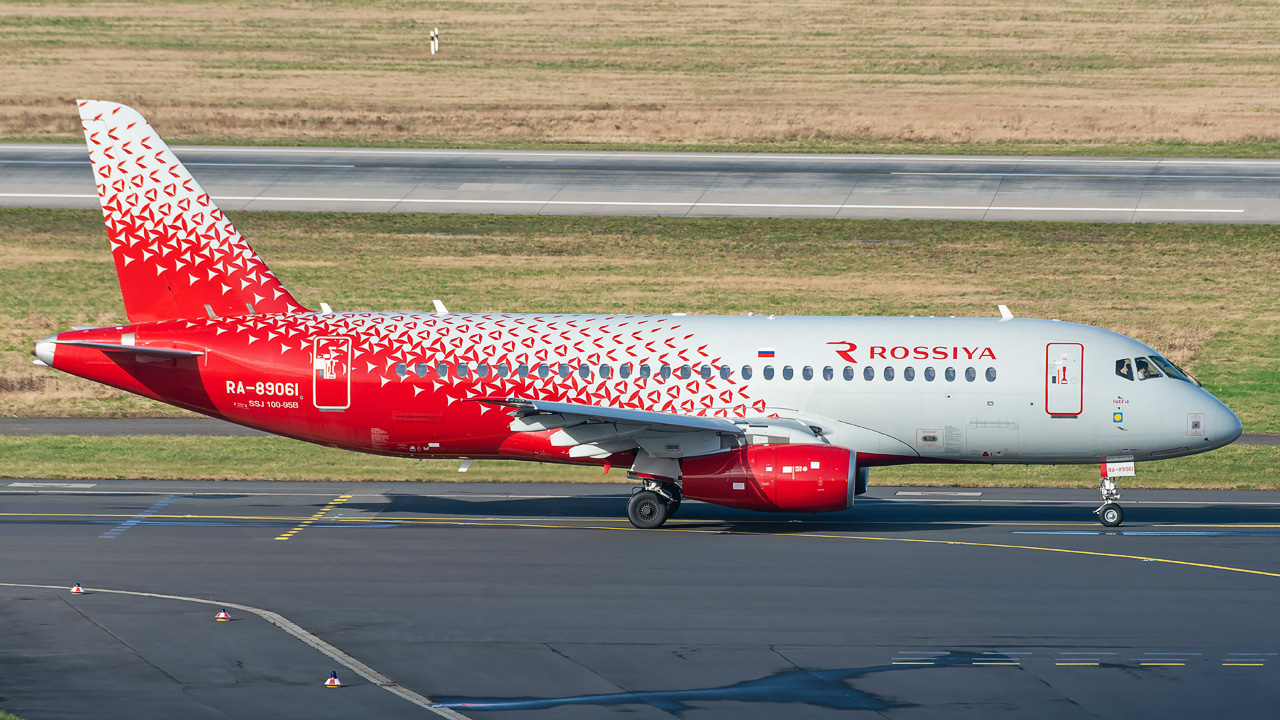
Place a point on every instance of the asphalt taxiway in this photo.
(540, 601)
(951, 187)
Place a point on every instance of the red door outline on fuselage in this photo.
(1064, 378)
(331, 373)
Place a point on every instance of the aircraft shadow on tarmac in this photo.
(874, 516)
(830, 689)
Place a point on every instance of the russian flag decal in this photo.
(764, 352)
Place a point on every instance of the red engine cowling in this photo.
(791, 478)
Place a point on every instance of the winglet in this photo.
(1004, 313)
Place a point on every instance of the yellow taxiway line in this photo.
(323, 511)
(675, 526)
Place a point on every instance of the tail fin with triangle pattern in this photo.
(176, 255)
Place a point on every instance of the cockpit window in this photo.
(1170, 369)
(1124, 368)
(1146, 369)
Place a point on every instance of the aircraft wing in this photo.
(598, 432)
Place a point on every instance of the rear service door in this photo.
(331, 373)
(1064, 370)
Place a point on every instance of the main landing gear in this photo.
(1110, 514)
(651, 505)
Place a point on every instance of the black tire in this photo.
(1111, 515)
(647, 510)
(672, 507)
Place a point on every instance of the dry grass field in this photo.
(1126, 76)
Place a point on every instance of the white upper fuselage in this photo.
(973, 389)
(953, 389)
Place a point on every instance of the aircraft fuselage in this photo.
(893, 389)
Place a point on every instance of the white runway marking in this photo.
(62, 485)
(190, 164)
(44, 162)
(690, 205)
(925, 173)
(1088, 175)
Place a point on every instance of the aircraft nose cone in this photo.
(1230, 425)
(44, 350)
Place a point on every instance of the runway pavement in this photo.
(539, 601)
(686, 184)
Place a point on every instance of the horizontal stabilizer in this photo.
(133, 349)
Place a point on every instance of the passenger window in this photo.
(868, 373)
(768, 372)
(624, 370)
(421, 369)
(787, 372)
(909, 374)
(970, 374)
(929, 374)
(991, 374)
(665, 371)
(584, 371)
(463, 370)
(1145, 369)
(725, 372)
(685, 372)
(482, 370)
(746, 372)
(644, 371)
(606, 372)
(442, 370)
(828, 373)
(564, 371)
(888, 373)
(544, 370)
(806, 372)
(1124, 368)
(950, 374)
(503, 370)
(522, 370)
(848, 372)
(705, 372)
(402, 369)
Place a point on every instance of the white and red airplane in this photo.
(759, 412)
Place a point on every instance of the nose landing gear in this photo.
(1110, 514)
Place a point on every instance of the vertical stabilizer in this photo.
(176, 255)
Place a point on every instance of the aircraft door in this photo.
(1064, 373)
(331, 373)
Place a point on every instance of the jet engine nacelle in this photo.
(788, 478)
